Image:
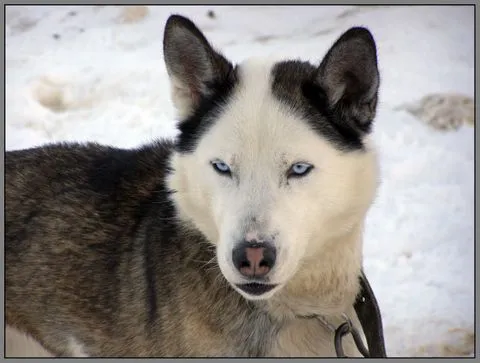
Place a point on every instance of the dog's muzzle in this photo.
(254, 261)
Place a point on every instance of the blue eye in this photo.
(221, 167)
(299, 169)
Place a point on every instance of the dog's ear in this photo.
(350, 79)
(194, 67)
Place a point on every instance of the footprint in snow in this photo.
(443, 111)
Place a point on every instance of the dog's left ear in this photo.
(194, 67)
(350, 79)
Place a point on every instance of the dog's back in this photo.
(71, 214)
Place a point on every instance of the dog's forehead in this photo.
(256, 124)
(256, 108)
(266, 82)
(263, 119)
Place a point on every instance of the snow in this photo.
(96, 73)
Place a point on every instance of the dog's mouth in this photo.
(255, 288)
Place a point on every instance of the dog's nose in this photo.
(254, 259)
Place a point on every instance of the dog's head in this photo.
(273, 162)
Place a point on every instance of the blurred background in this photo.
(96, 73)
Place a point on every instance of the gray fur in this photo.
(79, 250)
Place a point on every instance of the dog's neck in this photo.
(326, 284)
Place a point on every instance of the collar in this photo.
(368, 313)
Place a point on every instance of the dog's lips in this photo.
(255, 288)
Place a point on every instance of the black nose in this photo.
(254, 259)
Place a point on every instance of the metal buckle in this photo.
(344, 329)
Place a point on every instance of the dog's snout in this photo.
(254, 259)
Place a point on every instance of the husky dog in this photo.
(241, 237)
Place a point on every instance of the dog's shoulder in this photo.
(85, 166)
(81, 186)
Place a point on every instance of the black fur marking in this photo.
(345, 137)
(109, 170)
(161, 222)
(31, 215)
(150, 283)
(294, 86)
(196, 125)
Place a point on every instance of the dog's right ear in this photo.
(194, 67)
(350, 78)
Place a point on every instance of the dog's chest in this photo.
(308, 338)
(303, 338)
(257, 335)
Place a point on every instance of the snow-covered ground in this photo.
(96, 73)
